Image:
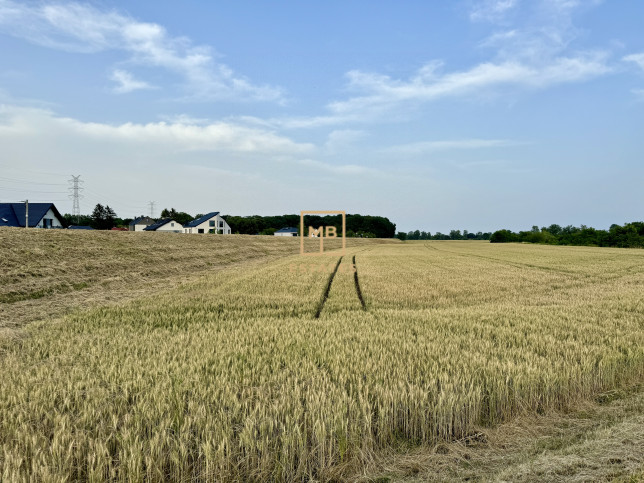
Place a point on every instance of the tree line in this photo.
(366, 226)
(630, 235)
(453, 235)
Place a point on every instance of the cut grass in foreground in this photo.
(233, 377)
(48, 273)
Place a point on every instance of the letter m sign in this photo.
(321, 232)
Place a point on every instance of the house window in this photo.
(171, 224)
(200, 230)
(221, 224)
(212, 223)
(211, 231)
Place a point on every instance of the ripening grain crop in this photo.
(233, 377)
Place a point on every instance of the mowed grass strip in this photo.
(234, 379)
(48, 273)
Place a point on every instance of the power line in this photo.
(27, 181)
(151, 203)
(98, 196)
(30, 190)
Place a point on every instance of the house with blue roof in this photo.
(40, 215)
(140, 223)
(167, 224)
(208, 223)
(288, 231)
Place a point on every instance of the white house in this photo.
(209, 223)
(141, 223)
(288, 231)
(40, 215)
(167, 225)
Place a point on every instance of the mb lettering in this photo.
(329, 231)
(323, 232)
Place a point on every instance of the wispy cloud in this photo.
(127, 83)
(637, 59)
(82, 28)
(428, 84)
(179, 136)
(426, 147)
(532, 51)
(492, 10)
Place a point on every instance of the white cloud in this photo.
(532, 54)
(638, 59)
(384, 92)
(82, 28)
(433, 146)
(491, 10)
(127, 83)
(161, 136)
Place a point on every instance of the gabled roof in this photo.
(200, 220)
(141, 220)
(14, 213)
(159, 224)
(79, 227)
(288, 229)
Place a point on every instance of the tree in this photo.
(554, 229)
(81, 220)
(98, 217)
(110, 218)
(503, 236)
(103, 217)
(401, 235)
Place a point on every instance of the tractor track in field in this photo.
(325, 295)
(357, 284)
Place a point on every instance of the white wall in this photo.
(56, 223)
(285, 234)
(205, 226)
(171, 226)
(140, 227)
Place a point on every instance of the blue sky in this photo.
(478, 115)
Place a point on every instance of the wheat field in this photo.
(302, 368)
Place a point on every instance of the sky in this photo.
(472, 114)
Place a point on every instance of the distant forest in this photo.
(365, 226)
(631, 235)
(453, 235)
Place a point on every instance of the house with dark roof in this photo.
(209, 223)
(79, 227)
(140, 223)
(40, 215)
(288, 231)
(167, 225)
